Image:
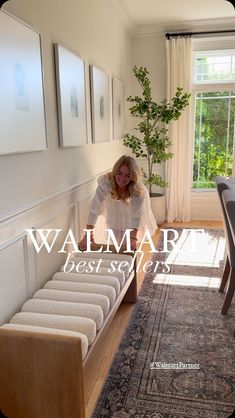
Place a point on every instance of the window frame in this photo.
(205, 86)
(212, 53)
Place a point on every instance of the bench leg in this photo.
(131, 294)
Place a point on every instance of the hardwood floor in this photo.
(122, 316)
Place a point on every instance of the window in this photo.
(214, 87)
(214, 67)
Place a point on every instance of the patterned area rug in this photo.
(176, 359)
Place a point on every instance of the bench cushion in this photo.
(102, 271)
(72, 323)
(106, 256)
(113, 264)
(66, 296)
(83, 287)
(89, 278)
(83, 310)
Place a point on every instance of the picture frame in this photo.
(22, 108)
(71, 97)
(118, 101)
(100, 110)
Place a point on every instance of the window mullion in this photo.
(228, 131)
(199, 141)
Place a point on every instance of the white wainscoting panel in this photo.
(205, 205)
(14, 284)
(23, 270)
(99, 231)
(49, 263)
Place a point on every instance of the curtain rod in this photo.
(176, 34)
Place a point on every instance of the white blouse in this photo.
(120, 215)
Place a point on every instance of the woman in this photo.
(124, 200)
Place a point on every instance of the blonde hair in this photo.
(135, 187)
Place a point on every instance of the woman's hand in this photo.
(133, 238)
(133, 243)
(82, 245)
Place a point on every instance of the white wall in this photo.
(150, 51)
(94, 30)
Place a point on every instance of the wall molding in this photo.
(15, 276)
(205, 205)
(191, 25)
(80, 188)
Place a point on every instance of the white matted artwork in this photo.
(100, 105)
(22, 114)
(70, 71)
(118, 108)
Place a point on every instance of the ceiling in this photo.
(146, 12)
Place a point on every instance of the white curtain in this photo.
(179, 168)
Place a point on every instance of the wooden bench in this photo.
(44, 374)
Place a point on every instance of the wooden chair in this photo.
(223, 184)
(228, 197)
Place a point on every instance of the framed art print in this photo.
(70, 76)
(118, 108)
(22, 114)
(100, 105)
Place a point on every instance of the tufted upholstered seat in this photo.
(84, 326)
(89, 278)
(104, 272)
(66, 296)
(82, 287)
(76, 309)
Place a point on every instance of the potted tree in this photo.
(152, 142)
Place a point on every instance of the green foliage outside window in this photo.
(214, 118)
(214, 137)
